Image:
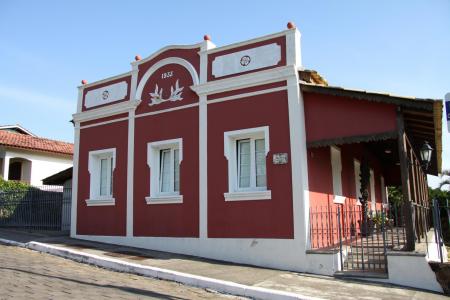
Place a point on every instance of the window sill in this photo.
(101, 202)
(172, 199)
(250, 195)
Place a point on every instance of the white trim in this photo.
(299, 164)
(245, 95)
(76, 155)
(153, 162)
(167, 110)
(104, 123)
(293, 48)
(336, 170)
(245, 80)
(94, 171)
(105, 111)
(203, 144)
(250, 195)
(170, 60)
(100, 202)
(164, 199)
(136, 64)
(248, 42)
(130, 158)
(104, 80)
(230, 139)
(19, 127)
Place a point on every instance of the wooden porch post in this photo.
(406, 189)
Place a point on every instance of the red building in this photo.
(229, 152)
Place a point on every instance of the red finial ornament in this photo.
(137, 57)
(207, 37)
(84, 81)
(290, 25)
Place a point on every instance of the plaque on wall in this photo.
(246, 60)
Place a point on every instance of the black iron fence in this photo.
(441, 221)
(41, 208)
(361, 238)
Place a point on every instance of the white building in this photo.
(28, 158)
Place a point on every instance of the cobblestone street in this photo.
(27, 274)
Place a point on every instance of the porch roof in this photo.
(422, 119)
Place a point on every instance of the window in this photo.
(336, 167)
(246, 151)
(101, 168)
(163, 159)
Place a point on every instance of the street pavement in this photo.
(26, 274)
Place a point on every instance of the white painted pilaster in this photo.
(300, 189)
(130, 156)
(203, 144)
(76, 157)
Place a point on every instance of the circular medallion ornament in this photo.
(245, 60)
(105, 95)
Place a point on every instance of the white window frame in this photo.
(336, 171)
(94, 167)
(230, 151)
(357, 167)
(153, 162)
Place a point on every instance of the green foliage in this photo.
(11, 194)
(16, 186)
(395, 195)
(443, 198)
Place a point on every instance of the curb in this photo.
(221, 286)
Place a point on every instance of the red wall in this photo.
(329, 117)
(103, 220)
(259, 218)
(175, 220)
(323, 212)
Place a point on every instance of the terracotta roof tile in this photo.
(34, 143)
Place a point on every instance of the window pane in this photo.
(244, 163)
(164, 176)
(260, 162)
(176, 171)
(103, 177)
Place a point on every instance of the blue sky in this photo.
(47, 47)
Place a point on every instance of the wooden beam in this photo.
(418, 113)
(403, 158)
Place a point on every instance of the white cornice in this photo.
(246, 80)
(105, 80)
(106, 111)
(170, 47)
(248, 42)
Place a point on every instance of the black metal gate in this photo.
(365, 238)
(362, 239)
(41, 208)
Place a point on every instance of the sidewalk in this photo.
(290, 284)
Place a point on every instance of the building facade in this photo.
(227, 152)
(28, 158)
